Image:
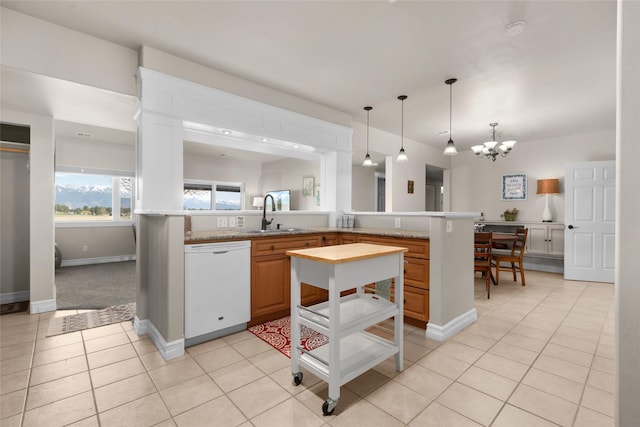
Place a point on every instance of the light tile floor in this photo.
(540, 355)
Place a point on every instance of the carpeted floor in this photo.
(96, 286)
(277, 333)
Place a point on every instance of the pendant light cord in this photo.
(402, 126)
(450, 109)
(368, 129)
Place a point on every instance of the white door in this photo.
(590, 220)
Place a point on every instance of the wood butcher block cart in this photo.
(351, 350)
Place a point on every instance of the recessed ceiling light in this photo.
(515, 28)
(264, 139)
(226, 132)
(443, 132)
(296, 146)
(83, 134)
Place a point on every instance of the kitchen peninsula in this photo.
(171, 110)
(438, 287)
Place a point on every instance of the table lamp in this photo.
(547, 186)
(258, 202)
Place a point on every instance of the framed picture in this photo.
(307, 186)
(410, 187)
(514, 186)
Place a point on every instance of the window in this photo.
(93, 197)
(219, 196)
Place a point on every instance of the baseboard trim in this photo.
(140, 326)
(11, 297)
(168, 350)
(443, 333)
(97, 260)
(43, 306)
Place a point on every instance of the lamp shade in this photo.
(258, 202)
(548, 186)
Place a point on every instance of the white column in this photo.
(159, 157)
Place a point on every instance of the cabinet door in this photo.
(270, 285)
(556, 240)
(416, 303)
(537, 239)
(416, 272)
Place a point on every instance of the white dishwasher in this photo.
(217, 289)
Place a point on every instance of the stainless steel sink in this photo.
(274, 231)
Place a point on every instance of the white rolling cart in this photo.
(351, 350)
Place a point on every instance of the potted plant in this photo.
(510, 214)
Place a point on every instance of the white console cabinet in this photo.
(545, 239)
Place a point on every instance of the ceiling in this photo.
(555, 78)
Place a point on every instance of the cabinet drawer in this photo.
(283, 244)
(416, 272)
(346, 238)
(418, 248)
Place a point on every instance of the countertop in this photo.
(227, 234)
(345, 253)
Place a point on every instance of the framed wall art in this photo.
(307, 186)
(514, 186)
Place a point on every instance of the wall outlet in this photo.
(240, 221)
(232, 221)
(398, 223)
(222, 221)
(85, 248)
(448, 228)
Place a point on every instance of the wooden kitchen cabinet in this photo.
(346, 238)
(416, 276)
(271, 274)
(271, 277)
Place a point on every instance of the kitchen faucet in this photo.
(264, 211)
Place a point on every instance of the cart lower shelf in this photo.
(359, 352)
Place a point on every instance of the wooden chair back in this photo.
(517, 250)
(482, 244)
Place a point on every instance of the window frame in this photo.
(116, 175)
(214, 187)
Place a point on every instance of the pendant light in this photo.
(450, 149)
(402, 156)
(367, 159)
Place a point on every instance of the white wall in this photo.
(95, 154)
(287, 174)
(363, 193)
(178, 67)
(43, 48)
(476, 183)
(398, 174)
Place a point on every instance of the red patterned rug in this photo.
(277, 333)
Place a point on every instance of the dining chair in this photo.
(512, 261)
(482, 244)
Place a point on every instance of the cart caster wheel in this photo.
(297, 378)
(329, 406)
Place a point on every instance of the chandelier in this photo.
(491, 149)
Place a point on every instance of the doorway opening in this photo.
(434, 189)
(380, 192)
